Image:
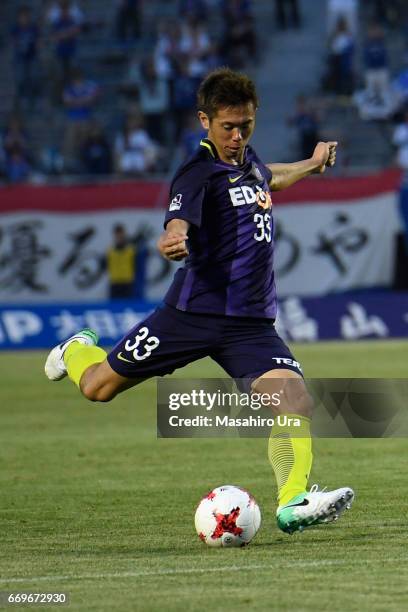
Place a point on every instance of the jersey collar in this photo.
(207, 144)
(204, 142)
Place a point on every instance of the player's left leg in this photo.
(290, 454)
(290, 447)
(254, 352)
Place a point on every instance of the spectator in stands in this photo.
(14, 137)
(166, 49)
(191, 135)
(184, 98)
(135, 151)
(14, 155)
(154, 97)
(400, 86)
(65, 30)
(17, 168)
(57, 8)
(345, 9)
(79, 97)
(378, 101)
(182, 55)
(25, 36)
(96, 152)
(376, 65)
(400, 140)
(76, 13)
(166, 52)
(287, 14)
(239, 38)
(388, 12)
(121, 264)
(128, 20)
(194, 48)
(196, 9)
(306, 122)
(340, 78)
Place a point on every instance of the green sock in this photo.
(291, 457)
(79, 357)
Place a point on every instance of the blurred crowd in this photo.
(366, 68)
(367, 63)
(134, 128)
(132, 105)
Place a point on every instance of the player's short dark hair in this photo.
(223, 88)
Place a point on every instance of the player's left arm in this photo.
(285, 175)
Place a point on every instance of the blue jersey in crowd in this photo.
(25, 42)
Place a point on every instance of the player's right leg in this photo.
(86, 365)
(55, 367)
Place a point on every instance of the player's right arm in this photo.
(187, 193)
(172, 243)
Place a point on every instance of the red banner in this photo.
(144, 194)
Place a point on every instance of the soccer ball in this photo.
(227, 516)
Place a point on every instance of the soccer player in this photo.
(222, 302)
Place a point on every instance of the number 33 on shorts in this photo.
(143, 344)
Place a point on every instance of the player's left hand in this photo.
(324, 155)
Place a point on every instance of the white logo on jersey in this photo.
(242, 195)
(175, 204)
(246, 195)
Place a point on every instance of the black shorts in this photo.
(169, 339)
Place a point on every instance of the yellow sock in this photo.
(291, 457)
(79, 357)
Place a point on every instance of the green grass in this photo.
(93, 504)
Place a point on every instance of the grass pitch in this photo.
(91, 503)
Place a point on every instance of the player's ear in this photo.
(204, 120)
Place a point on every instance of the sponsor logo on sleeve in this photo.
(175, 204)
(257, 172)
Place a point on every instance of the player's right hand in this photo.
(172, 245)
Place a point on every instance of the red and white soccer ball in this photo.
(227, 516)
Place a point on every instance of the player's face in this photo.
(230, 130)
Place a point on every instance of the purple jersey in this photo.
(229, 270)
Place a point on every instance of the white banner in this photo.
(47, 257)
(320, 248)
(323, 248)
